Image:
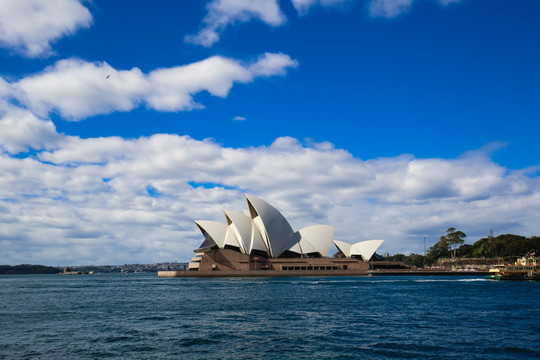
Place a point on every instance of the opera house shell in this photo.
(261, 238)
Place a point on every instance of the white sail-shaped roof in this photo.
(274, 228)
(365, 249)
(246, 232)
(344, 247)
(303, 246)
(216, 232)
(257, 242)
(316, 238)
(263, 228)
(240, 226)
(208, 241)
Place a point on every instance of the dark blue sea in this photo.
(111, 316)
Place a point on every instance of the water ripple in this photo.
(108, 316)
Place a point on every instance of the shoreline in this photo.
(323, 273)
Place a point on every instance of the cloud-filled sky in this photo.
(121, 123)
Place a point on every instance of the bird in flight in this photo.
(108, 76)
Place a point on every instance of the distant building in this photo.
(261, 238)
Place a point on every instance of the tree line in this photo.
(451, 245)
(28, 269)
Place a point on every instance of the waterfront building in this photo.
(261, 238)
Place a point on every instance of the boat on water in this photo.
(525, 268)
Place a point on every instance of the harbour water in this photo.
(111, 316)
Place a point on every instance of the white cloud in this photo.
(222, 13)
(79, 89)
(271, 64)
(174, 86)
(239, 118)
(88, 200)
(389, 8)
(28, 27)
(393, 8)
(20, 130)
(303, 6)
(5, 90)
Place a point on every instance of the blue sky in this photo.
(390, 119)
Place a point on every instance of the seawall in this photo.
(284, 273)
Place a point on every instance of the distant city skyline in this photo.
(121, 123)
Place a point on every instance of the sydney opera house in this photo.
(260, 240)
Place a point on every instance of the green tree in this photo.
(28, 269)
(466, 251)
(480, 248)
(416, 260)
(439, 250)
(412, 259)
(453, 239)
(447, 246)
(505, 246)
(397, 258)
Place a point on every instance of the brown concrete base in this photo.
(283, 273)
(262, 273)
